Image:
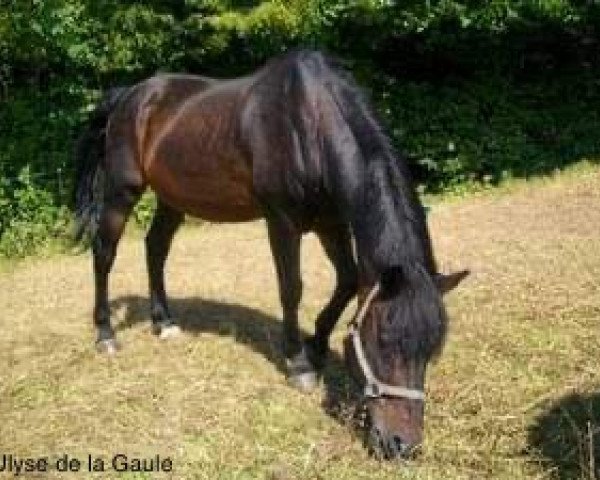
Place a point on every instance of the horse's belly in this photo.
(214, 209)
(214, 194)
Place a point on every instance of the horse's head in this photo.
(399, 327)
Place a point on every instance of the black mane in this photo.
(387, 217)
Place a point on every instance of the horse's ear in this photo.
(391, 281)
(445, 283)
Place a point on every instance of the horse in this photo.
(298, 144)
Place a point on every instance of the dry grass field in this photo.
(515, 394)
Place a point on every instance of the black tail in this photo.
(89, 173)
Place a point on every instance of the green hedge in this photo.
(104, 39)
(472, 91)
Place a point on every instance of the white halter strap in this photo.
(373, 387)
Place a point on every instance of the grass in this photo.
(515, 394)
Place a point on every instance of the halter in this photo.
(374, 388)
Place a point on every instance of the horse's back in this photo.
(194, 157)
(217, 149)
(138, 116)
(245, 142)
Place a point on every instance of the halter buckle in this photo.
(372, 390)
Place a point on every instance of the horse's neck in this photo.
(387, 225)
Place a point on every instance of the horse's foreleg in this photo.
(165, 223)
(337, 244)
(115, 210)
(285, 245)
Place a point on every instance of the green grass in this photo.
(514, 394)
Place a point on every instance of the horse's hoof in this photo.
(305, 382)
(301, 373)
(108, 346)
(169, 331)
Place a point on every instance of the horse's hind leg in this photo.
(158, 241)
(117, 205)
(337, 244)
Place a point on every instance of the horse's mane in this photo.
(389, 220)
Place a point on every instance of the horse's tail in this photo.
(88, 189)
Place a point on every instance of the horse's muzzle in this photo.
(391, 446)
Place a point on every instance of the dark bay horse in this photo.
(295, 143)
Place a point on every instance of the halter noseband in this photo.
(374, 388)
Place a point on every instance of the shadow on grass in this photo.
(261, 332)
(567, 436)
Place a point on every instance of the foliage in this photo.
(107, 37)
(485, 132)
(473, 91)
(31, 217)
(36, 140)
(144, 210)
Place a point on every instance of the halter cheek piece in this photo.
(374, 388)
